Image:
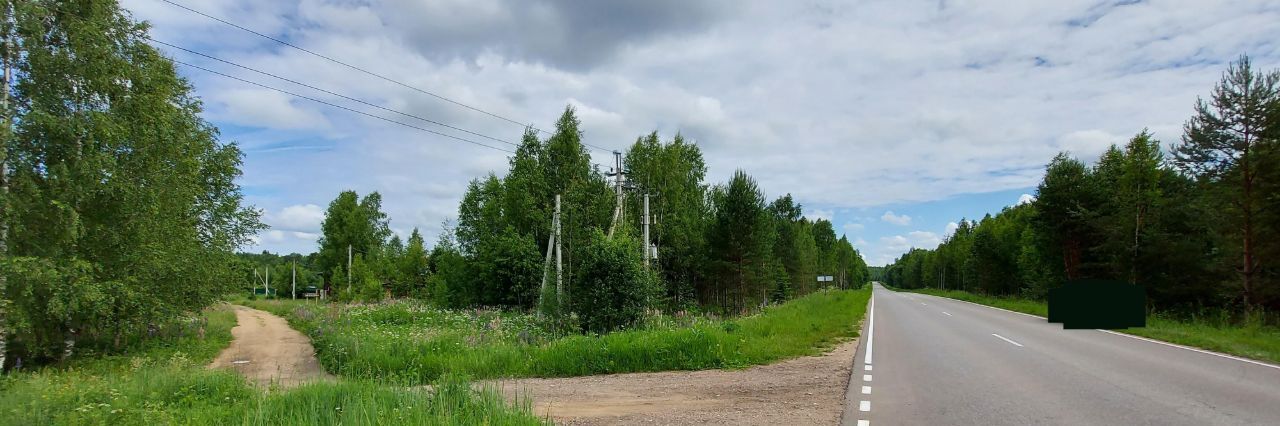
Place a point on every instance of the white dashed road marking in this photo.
(1007, 340)
(866, 390)
(864, 406)
(866, 377)
(946, 313)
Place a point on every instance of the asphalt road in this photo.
(934, 361)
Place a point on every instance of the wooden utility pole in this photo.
(644, 221)
(267, 292)
(619, 199)
(348, 268)
(293, 286)
(553, 247)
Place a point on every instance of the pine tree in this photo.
(1225, 145)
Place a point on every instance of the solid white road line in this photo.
(1206, 352)
(864, 423)
(866, 377)
(1192, 349)
(871, 329)
(866, 390)
(864, 406)
(1007, 340)
(945, 313)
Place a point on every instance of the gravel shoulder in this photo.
(267, 351)
(806, 390)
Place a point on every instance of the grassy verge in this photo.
(164, 382)
(1251, 340)
(1026, 306)
(413, 343)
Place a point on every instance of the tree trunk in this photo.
(1246, 270)
(4, 175)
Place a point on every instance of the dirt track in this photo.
(807, 390)
(266, 350)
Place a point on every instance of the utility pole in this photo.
(348, 268)
(618, 175)
(645, 222)
(293, 286)
(268, 283)
(553, 246)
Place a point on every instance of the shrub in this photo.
(613, 288)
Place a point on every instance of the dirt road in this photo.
(807, 390)
(266, 350)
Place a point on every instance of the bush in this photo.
(613, 288)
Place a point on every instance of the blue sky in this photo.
(892, 118)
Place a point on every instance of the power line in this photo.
(334, 94)
(342, 107)
(380, 76)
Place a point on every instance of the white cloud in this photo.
(951, 229)
(902, 220)
(298, 217)
(924, 239)
(981, 96)
(265, 108)
(278, 237)
(1025, 198)
(816, 214)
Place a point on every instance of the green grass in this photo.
(1250, 339)
(1026, 306)
(411, 342)
(163, 381)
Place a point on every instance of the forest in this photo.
(722, 248)
(1196, 222)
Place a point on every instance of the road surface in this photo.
(267, 351)
(934, 361)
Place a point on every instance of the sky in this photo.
(893, 119)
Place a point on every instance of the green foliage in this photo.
(164, 381)
(413, 268)
(507, 270)
(351, 225)
(673, 172)
(410, 342)
(613, 289)
(113, 177)
(1230, 147)
(741, 237)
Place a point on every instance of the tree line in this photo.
(1198, 224)
(721, 247)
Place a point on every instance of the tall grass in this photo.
(413, 343)
(164, 381)
(1250, 337)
